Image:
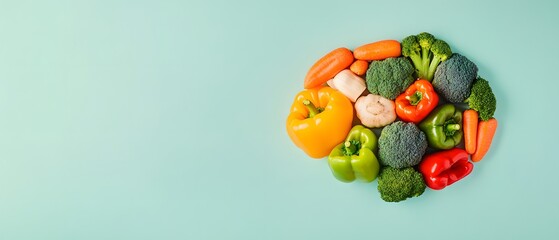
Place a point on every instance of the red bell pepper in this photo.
(417, 101)
(444, 168)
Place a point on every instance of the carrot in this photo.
(485, 132)
(378, 50)
(470, 118)
(328, 66)
(359, 67)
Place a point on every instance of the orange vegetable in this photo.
(485, 132)
(320, 119)
(470, 124)
(328, 66)
(378, 50)
(359, 67)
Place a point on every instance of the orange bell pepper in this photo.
(320, 119)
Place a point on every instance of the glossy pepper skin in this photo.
(320, 119)
(355, 158)
(443, 127)
(444, 168)
(417, 101)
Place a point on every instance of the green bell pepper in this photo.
(443, 127)
(355, 158)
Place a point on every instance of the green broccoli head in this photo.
(401, 145)
(441, 50)
(412, 49)
(395, 185)
(410, 46)
(454, 77)
(425, 40)
(426, 53)
(482, 99)
(389, 77)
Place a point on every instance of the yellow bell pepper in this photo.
(320, 119)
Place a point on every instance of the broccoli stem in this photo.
(426, 54)
(433, 67)
(313, 110)
(415, 98)
(417, 62)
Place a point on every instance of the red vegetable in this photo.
(417, 101)
(444, 168)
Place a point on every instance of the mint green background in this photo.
(165, 120)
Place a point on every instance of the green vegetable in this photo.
(355, 158)
(443, 127)
(389, 77)
(401, 145)
(482, 99)
(454, 77)
(395, 185)
(426, 53)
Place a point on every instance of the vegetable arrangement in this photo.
(432, 111)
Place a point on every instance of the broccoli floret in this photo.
(454, 77)
(401, 145)
(412, 49)
(396, 185)
(389, 77)
(441, 52)
(482, 99)
(426, 52)
(425, 41)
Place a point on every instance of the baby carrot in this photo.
(470, 118)
(359, 67)
(328, 66)
(378, 50)
(485, 132)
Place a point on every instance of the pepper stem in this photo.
(313, 110)
(453, 127)
(349, 148)
(415, 98)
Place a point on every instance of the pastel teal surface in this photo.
(166, 120)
